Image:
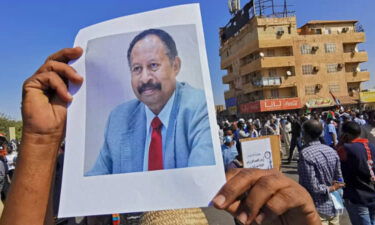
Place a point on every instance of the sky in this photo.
(32, 30)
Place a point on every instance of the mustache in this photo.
(149, 85)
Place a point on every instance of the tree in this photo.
(6, 122)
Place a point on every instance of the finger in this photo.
(284, 200)
(262, 191)
(62, 69)
(50, 80)
(66, 54)
(238, 185)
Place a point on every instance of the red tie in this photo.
(155, 153)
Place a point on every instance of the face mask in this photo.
(228, 139)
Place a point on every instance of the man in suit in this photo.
(167, 126)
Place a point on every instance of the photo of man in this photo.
(167, 125)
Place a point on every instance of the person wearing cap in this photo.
(228, 149)
(167, 125)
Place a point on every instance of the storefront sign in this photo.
(230, 102)
(271, 105)
(250, 107)
(319, 102)
(367, 96)
(280, 104)
(232, 110)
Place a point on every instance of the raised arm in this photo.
(44, 100)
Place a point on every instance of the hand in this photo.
(45, 95)
(336, 186)
(265, 196)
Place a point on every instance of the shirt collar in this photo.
(314, 143)
(163, 115)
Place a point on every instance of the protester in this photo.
(253, 133)
(3, 177)
(296, 137)
(242, 133)
(356, 155)
(228, 149)
(45, 96)
(11, 159)
(318, 170)
(330, 133)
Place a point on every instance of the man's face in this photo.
(153, 73)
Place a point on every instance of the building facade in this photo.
(272, 65)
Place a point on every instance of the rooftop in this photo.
(311, 22)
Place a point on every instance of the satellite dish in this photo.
(261, 54)
(288, 73)
(358, 69)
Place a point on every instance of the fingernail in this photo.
(69, 96)
(242, 217)
(259, 219)
(219, 200)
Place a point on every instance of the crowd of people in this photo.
(8, 158)
(334, 155)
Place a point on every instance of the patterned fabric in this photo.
(318, 167)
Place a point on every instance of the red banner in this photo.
(280, 104)
(271, 105)
(250, 107)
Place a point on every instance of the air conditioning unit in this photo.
(316, 68)
(280, 32)
(345, 29)
(288, 73)
(314, 48)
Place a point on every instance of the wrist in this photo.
(40, 146)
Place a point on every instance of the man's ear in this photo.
(177, 65)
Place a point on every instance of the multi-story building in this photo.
(272, 65)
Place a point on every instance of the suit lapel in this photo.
(133, 141)
(170, 160)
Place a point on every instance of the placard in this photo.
(262, 152)
(137, 68)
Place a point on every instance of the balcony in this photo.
(228, 78)
(274, 43)
(353, 77)
(277, 61)
(267, 62)
(353, 37)
(355, 57)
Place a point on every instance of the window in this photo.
(334, 88)
(330, 47)
(317, 31)
(275, 93)
(270, 52)
(272, 72)
(305, 49)
(307, 69)
(328, 31)
(310, 90)
(331, 68)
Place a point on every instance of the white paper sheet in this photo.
(141, 191)
(257, 154)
